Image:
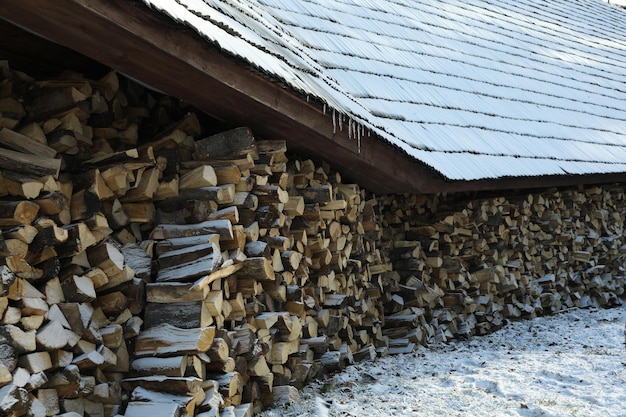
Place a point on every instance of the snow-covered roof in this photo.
(476, 89)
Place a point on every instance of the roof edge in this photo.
(146, 45)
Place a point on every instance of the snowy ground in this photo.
(570, 364)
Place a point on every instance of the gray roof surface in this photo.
(474, 89)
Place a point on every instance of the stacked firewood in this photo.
(150, 268)
(138, 260)
(276, 272)
(73, 272)
(463, 266)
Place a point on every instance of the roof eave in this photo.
(175, 60)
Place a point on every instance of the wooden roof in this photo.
(178, 58)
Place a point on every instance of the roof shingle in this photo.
(475, 89)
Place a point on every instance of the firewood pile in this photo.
(463, 266)
(151, 269)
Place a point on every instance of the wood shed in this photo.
(206, 204)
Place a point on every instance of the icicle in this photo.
(350, 128)
(341, 121)
(334, 123)
(324, 108)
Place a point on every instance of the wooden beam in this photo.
(217, 84)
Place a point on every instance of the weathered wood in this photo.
(78, 289)
(185, 401)
(15, 213)
(246, 200)
(11, 112)
(144, 188)
(108, 160)
(78, 240)
(230, 213)
(156, 409)
(230, 143)
(168, 340)
(20, 185)
(227, 173)
(107, 257)
(29, 164)
(191, 270)
(141, 212)
(223, 272)
(221, 227)
(270, 194)
(202, 176)
(259, 268)
(136, 258)
(184, 315)
(172, 385)
(170, 244)
(93, 181)
(50, 101)
(171, 292)
(169, 366)
(186, 254)
(53, 203)
(222, 194)
(21, 341)
(255, 249)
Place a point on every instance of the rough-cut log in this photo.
(184, 315)
(239, 141)
(168, 366)
(107, 257)
(173, 385)
(259, 268)
(170, 244)
(222, 227)
(191, 270)
(155, 409)
(78, 240)
(223, 272)
(15, 213)
(20, 185)
(144, 188)
(168, 340)
(172, 292)
(202, 176)
(29, 164)
(186, 254)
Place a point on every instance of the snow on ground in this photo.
(569, 364)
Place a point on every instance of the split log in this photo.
(239, 141)
(221, 227)
(29, 164)
(15, 213)
(168, 340)
(191, 270)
